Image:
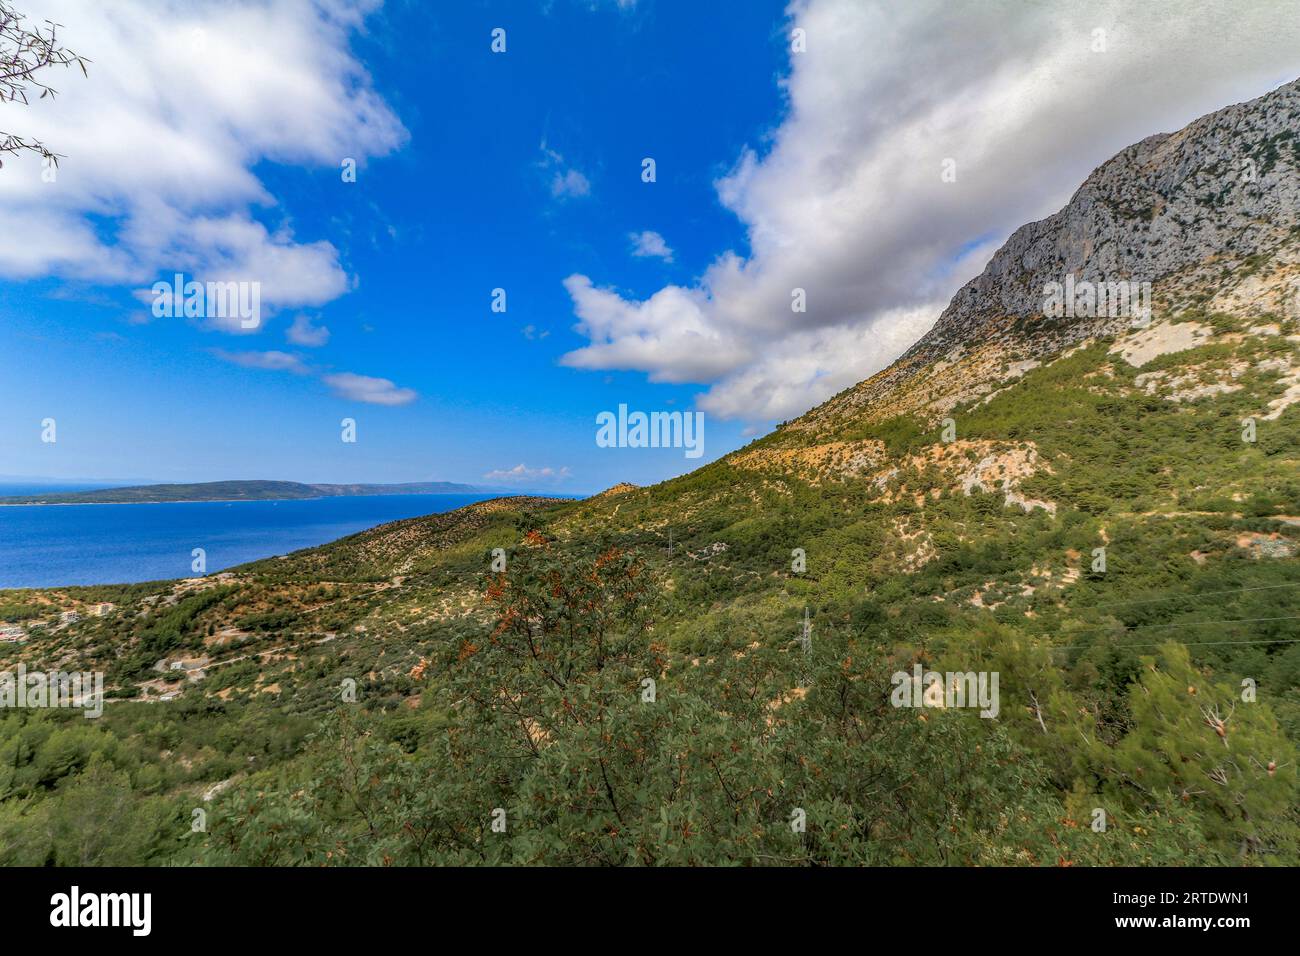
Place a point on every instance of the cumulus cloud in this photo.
(846, 199)
(183, 101)
(271, 361)
(649, 244)
(813, 362)
(302, 332)
(363, 388)
(521, 473)
(671, 335)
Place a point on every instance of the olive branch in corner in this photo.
(25, 53)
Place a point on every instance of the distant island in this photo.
(237, 491)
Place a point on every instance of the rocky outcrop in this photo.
(1209, 216)
(1177, 210)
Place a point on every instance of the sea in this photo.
(52, 545)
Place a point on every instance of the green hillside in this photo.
(523, 691)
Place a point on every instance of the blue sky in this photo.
(210, 140)
(426, 233)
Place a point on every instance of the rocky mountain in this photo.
(1209, 216)
(1088, 522)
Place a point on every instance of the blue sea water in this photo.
(51, 545)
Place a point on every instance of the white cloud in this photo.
(183, 100)
(363, 388)
(302, 332)
(348, 385)
(566, 182)
(847, 202)
(814, 362)
(271, 361)
(649, 244)
(670, 335)
(522, 472)
(571, 183)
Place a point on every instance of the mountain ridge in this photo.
(1156, 211)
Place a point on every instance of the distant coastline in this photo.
(237, 491)
(216, 501)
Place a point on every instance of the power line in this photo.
(1206, 643)
(1158, 627)
(1231, 620)
(1173, 597)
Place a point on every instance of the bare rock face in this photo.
(1175, 210)
(621, 488)
(1209, 216)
